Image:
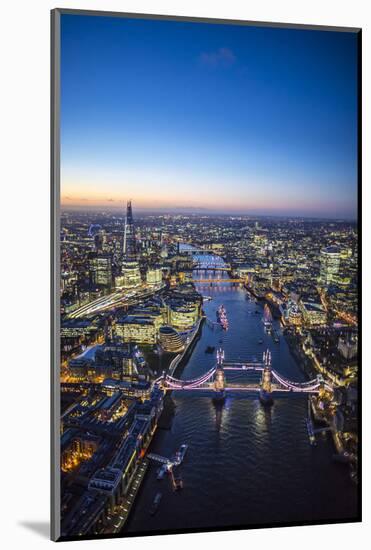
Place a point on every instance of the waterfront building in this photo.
(330, 263)
(170, 339)
(183, 317)
(136, 388)
(107, 481)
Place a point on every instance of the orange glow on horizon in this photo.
(217, 196)
(179, 202)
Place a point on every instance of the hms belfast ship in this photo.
(267, 318)
(221, 317)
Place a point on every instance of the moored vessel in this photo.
(161, 472)
(267, 318)
(155, 503)
(180, 454)
(221, 316)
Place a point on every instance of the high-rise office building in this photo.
(330, 263)
(129, 246)
(154, 276)
(130, 273)
(100, 269)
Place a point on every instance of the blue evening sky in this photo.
(224, 117)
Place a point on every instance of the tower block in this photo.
(130, 272)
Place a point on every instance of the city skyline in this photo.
(242, 120)
(207, 279)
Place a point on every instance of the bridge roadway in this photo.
(212, 267)
(216, 281)
(269, 376)
(276, 388)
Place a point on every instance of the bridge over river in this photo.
(216, 379)
(246, 463)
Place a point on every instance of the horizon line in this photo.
(207, 212)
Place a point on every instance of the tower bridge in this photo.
(216, 380)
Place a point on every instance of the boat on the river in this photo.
(155, 503)
(210, 349)
(162, 471)
(221, 317)
(310, 430)
(267, 318)
(179, 455)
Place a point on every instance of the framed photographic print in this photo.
(205, 298)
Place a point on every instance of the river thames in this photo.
(246, 464)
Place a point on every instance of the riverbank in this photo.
(118, 520)
(175, 368)
(164, 422)
(233, 450)
(168, 412)
(303, 361)
(179, 361)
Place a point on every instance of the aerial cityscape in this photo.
(208, 278)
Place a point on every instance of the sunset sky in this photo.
(179, 115)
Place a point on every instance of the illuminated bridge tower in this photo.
(219, 381)
(265, 393)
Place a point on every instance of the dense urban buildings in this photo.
(209, 303)
(134, 294)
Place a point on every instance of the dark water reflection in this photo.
(246, 464)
